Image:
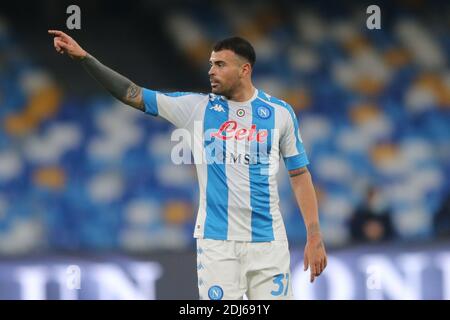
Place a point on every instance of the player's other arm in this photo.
(315, 255)
(119, 86)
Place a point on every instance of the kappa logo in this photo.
(217, 107)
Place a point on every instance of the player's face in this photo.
(225, 72)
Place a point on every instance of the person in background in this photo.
(371, 222)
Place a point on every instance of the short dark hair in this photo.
(239, 46)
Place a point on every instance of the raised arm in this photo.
(119, 86)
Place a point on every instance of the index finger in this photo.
(58, 33)
(312, 273)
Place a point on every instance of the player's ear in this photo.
(246, 69)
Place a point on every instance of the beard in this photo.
(220, 90)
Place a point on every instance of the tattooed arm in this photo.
(315, 255)
(119, 86)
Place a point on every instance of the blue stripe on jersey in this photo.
(179, 94)
(301, 159)
(149, 97)
(262, 228)
(295, 162)
(216, 222)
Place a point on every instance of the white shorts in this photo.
(229, 269)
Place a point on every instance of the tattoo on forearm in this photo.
(297, 172)
(133, 92)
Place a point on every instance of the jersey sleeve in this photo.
(176, 107)
(291, 144)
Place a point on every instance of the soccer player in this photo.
(238, 135)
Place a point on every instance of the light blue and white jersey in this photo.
(236, 147)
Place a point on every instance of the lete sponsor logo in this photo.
(229, 129)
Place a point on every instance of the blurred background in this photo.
(88, 182)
